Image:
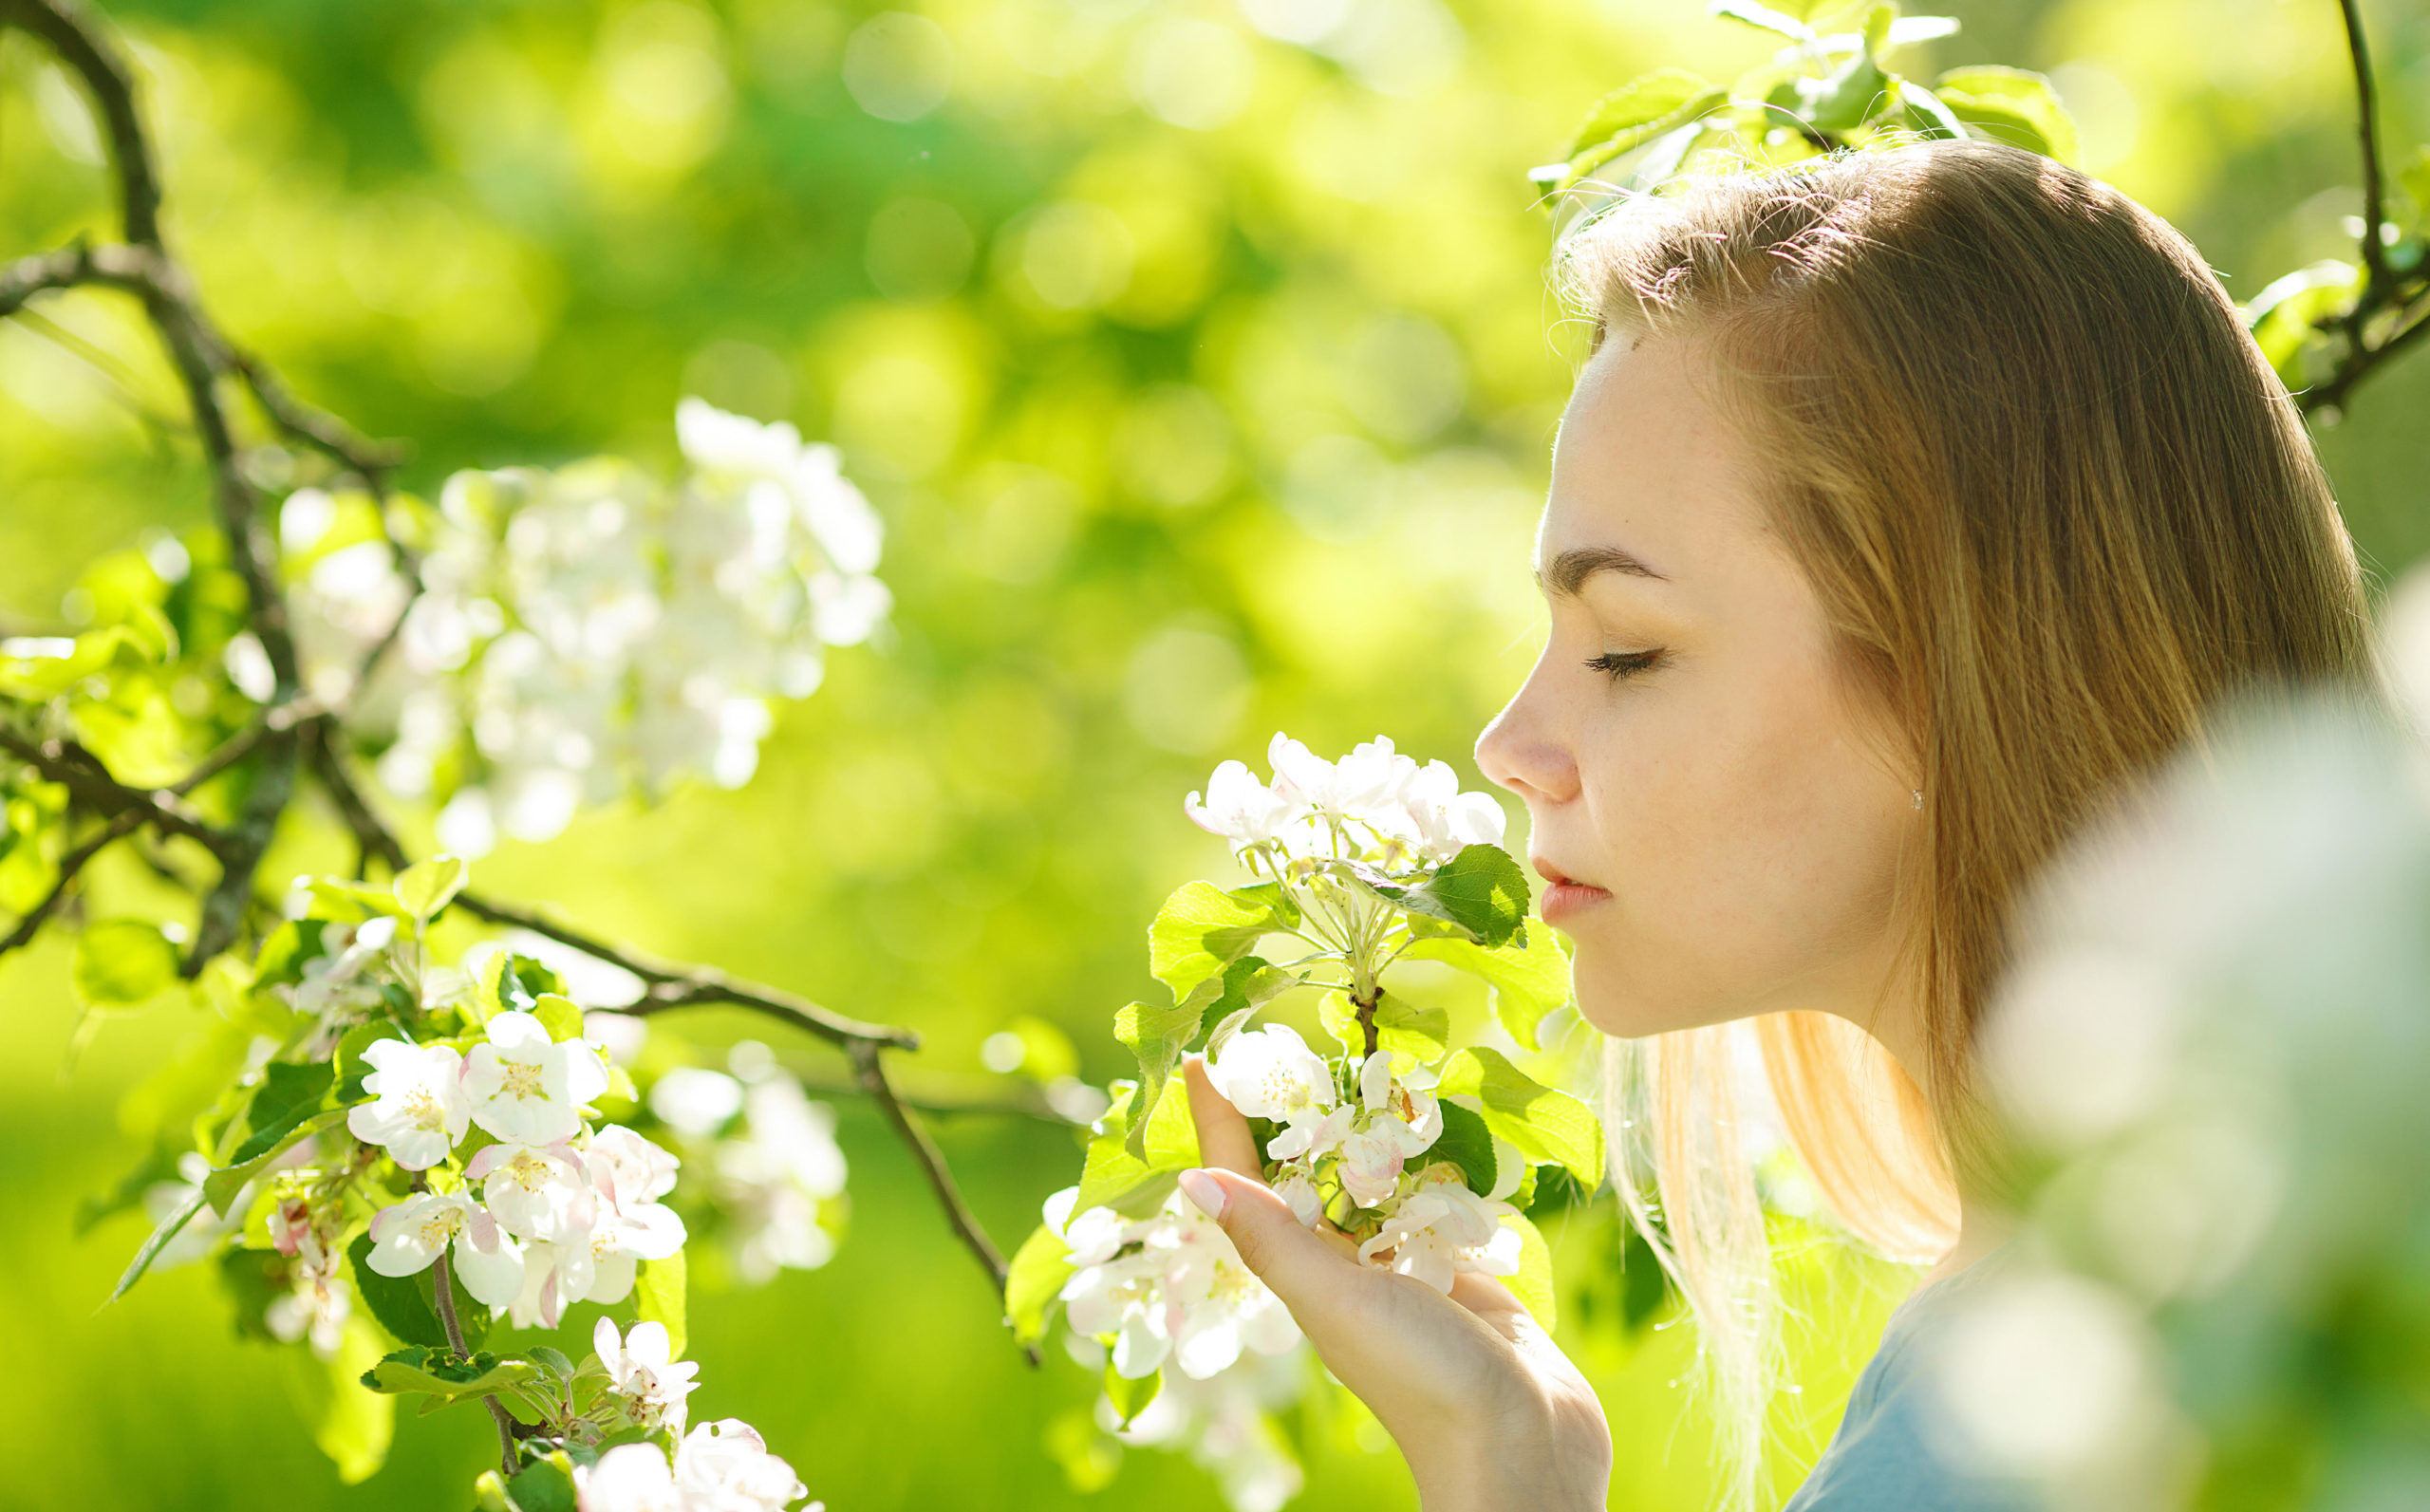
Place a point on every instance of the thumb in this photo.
(1300, 1265)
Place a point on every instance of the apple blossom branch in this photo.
(296, 735)
(2384, 288)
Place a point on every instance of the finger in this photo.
(1489, 1299)
(1224, 1136)
(1306, 1269)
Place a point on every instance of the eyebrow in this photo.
(1569, 572)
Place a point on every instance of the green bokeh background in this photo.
(1205, 383)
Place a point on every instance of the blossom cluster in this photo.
(1373, 799)
(719, 1466)
(776, 1166)
(564, 1212)
(1168, 1286)
(584, 630)
(1429, 1224)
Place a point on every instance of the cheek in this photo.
(1750, 838)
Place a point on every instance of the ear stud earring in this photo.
(1920, 797)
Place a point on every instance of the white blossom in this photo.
(1170, 1286)
(406, 1238)
(641, 1369)
(1240, 808)
(1271, 1073)
(1447, 820)
(725, 1467)
(1441, 1228)
(418, 1109)
(526, 1088)
(535, 1191)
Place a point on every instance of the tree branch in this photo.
(2375, 256)
(445, 1290)
(92, 786)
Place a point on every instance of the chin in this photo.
(1628, 996)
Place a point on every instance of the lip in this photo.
(1564, 897)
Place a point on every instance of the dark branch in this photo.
(2375, 256)
(74, 35)
(89, 784)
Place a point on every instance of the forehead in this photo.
(1646, 463)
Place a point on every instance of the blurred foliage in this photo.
(1204, 378)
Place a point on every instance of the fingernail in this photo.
(1204, 1190)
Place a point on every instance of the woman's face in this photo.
(1716, 812)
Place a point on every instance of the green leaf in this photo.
(1157, 1036)
(1533, 1284)
(1468, 1143)
(1131, 1185)
(1761, 16)
(1528, 978)
(1545, 1124)
(1130, 1397)
(559, 1016)
(349, 1063)
(445, 1372)
(1855, 92)
(545, 1487)
(398, 1302)
(1202, 930)
(1646, 107)
(123, 961)
(1479, 890)
(1415, 1037)
(152, 1247)
(338, 900)
(2014, 105)
(222, 1186)
(659, 1290)
(426, 886)
(2286, 316)
(1926, 115)
(1032, 1283)
(290, 1091)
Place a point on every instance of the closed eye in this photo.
(1618, 665)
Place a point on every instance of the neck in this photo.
(1983, 1226)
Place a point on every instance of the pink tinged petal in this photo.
(483, 1228)
(488, 1158)
(652, 1233)
(1375, 1080)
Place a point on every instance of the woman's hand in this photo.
(1487, 1410)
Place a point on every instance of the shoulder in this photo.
(1891, 1450)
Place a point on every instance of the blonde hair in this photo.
(2056, 507)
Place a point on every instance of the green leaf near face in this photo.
(2012, 105)
(1414, 1035)
(1202, 930)
(1545, 1124)
(1481, 892)
(1528, 976)
(1136, 1184)
(123, 961)
(1468, 1143)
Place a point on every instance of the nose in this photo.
(1524, 750)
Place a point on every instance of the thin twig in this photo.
(871, 1070)
(446, 1293)
(122, 825)
(2367, 128)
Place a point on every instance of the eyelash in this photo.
(1618, 665)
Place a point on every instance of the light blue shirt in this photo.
(1890, 1454)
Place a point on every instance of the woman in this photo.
(1908, 504)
